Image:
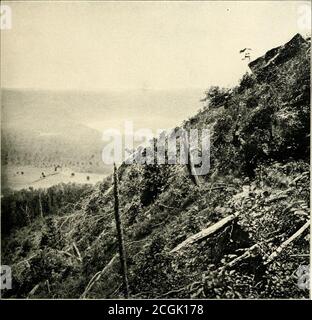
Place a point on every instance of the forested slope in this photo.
(257, 191)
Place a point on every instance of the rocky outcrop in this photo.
(265, 66)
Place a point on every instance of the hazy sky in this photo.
(100, 45)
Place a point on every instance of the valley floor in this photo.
(23, 177)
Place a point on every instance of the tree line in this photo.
(22, 207)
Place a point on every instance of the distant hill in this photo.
(54, 127)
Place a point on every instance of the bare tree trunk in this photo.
(122, 253)
(27, 214)
(40, 205)
(189, 165)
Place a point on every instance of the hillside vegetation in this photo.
(257, 187)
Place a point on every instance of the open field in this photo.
(20, 177)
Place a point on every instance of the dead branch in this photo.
(206, 232)
(172, 291)
(279, 196)
(33, 290)
(97, 276)
(166, 207)
(77, 251)
(116, 290)
(303, 175)
(67, 254)
(303, 255)
(189, 287)
(26, 260)
(48, 285)
(40, 205)
(249, 252)
(139, 294)
(297, 234)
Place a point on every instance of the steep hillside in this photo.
(257, 191)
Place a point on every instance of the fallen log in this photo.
(249, 252)
(297, 234)
(97, 276)
(205, 232)
(33, 290)
(77, 251)
(303, 175)
(279, 196)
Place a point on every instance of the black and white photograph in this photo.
(155, 150)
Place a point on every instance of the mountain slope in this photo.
(259, 175)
